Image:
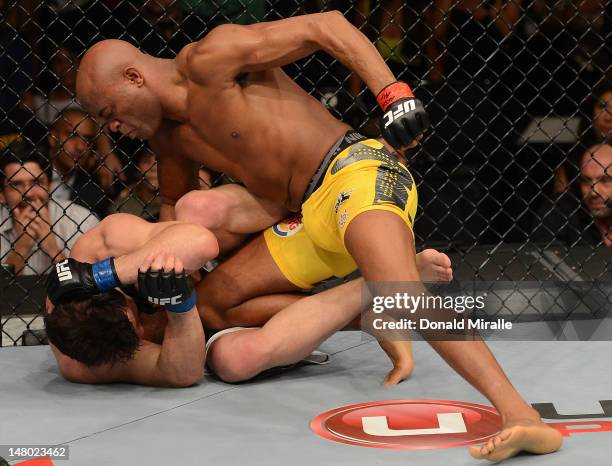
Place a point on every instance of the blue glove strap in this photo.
(184, 306)
(104, 275)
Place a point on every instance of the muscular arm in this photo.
(131, 240)
(232, 49)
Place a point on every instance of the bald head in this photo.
(104, 64)
(114, 85)
(596, 180)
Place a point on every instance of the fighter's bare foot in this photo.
(527, 435)
(400, 353)
(434, 266)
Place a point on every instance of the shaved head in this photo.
(103, 65)
(114, 85)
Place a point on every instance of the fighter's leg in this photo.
(394, 260)
(287, 337)
(230, 212)
(245, 290)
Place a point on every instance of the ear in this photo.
(2, 198)
(133, 76)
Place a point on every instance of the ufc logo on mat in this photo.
(164, 301)
(402, 109)
(63, 271)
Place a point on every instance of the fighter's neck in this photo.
(170, 85)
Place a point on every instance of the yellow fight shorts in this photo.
(354, 177)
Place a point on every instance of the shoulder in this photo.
(216, 57)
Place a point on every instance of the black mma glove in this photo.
(71, 279)
(404, 116)
(170, 289)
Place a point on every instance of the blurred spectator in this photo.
(470, 38)
(15, 68)
(601, 113)
(596, 128)
(565, 54)
(398, 31)
(565, 218)
(34, 230)
(158, 29)
(141, 198)
(213, 13)
(78, 174)
(64, 64)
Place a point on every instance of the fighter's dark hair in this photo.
(93, 330)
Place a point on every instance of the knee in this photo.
(241, 361)
(205, 208)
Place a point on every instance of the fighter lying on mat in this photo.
(105, 337)
(110, 337)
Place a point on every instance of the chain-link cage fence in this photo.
(514, 176)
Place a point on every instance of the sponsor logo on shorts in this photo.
(342, 198)
(343, 218)
(63, 271)
(288, 227)
(409, 424)
(433, 424)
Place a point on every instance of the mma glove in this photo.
(404, 117)
(71, 279)
(173, 290)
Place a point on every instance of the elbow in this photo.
(332, 20)
(186, 380)
(332, 31)
(335, 15)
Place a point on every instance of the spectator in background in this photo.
(63, 65)
(470, 38)
(141, 198)
(78, 174)
(34, 230)
(15, 68)
(158, 28)
(398, 31)
(565, 218)
(601, 113)
(596, 129)
(213, 13)
(564, 54)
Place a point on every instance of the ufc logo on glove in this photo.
(63, 271)
(164, 301)
(403, 108)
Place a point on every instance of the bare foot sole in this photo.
(531, 437)
(434, 266)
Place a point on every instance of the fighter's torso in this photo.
(262, 129)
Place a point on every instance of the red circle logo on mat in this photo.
(409, 424)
